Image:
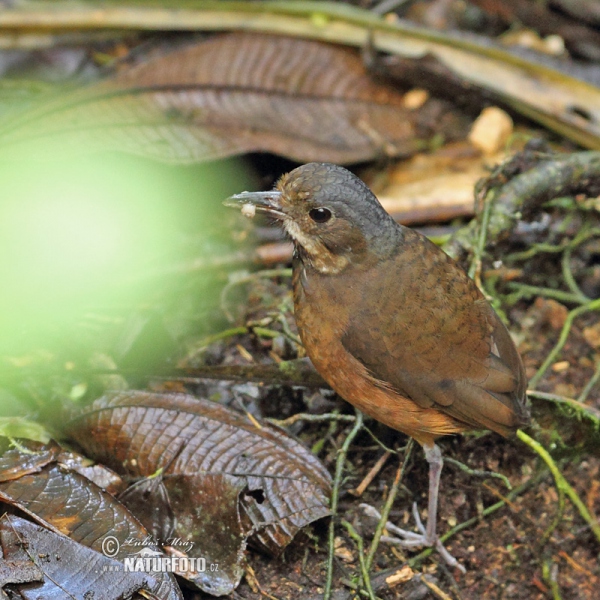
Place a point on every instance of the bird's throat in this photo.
(312, 251)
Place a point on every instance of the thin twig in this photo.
(478, 472)
(590, 384)
(564, 334)
(496, 493)
(364, 484)
(311, 419)
(436, 590)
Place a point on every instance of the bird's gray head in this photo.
(332, 216)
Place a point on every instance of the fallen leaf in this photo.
(69, 504)
(68, 569)
(243, 480)
(238, 93)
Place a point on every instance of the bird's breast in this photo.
(323, 307)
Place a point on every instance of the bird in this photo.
(391, 322)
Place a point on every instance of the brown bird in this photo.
(390, 321)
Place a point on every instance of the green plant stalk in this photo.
(590, 384)
(266, 333)
(564, 334)
(561, 482)
(222, 335)
(568, 276)
(478, 472)
(331, 431)
(385, 511)
(527, 291)
(581, 410)
(542, 247)
(557, 517)
(549, 575)
(475, 267)
(361, 558)
(335, 494)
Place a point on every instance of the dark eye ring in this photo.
(320, 215)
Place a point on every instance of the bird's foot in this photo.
(410, 539)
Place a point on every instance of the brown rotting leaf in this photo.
(237, 93)
(69, 504)
(217, 466)
(68, 569)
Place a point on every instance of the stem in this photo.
(361, 558)
(564, 334)
(335, 493)
(569, 278)
(590, 384)
(475, 268)
(385, 512)
(561, 482)
(527, 291)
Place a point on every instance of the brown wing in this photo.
(442, 345)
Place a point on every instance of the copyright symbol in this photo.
(110, 546)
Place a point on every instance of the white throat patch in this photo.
(320, 257)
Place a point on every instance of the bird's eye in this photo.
(320, 215)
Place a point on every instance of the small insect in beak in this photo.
(252, 202)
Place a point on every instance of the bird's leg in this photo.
(433, 455)
(428, 535)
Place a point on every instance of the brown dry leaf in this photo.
(237, 93)
(68, 503)
(15, 571)
(68, 569)
(226, 478)
(168, 509)
(15, 464)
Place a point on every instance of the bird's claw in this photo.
(410, 539)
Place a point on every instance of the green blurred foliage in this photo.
(87, 234)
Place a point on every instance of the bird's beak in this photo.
(266, 202)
